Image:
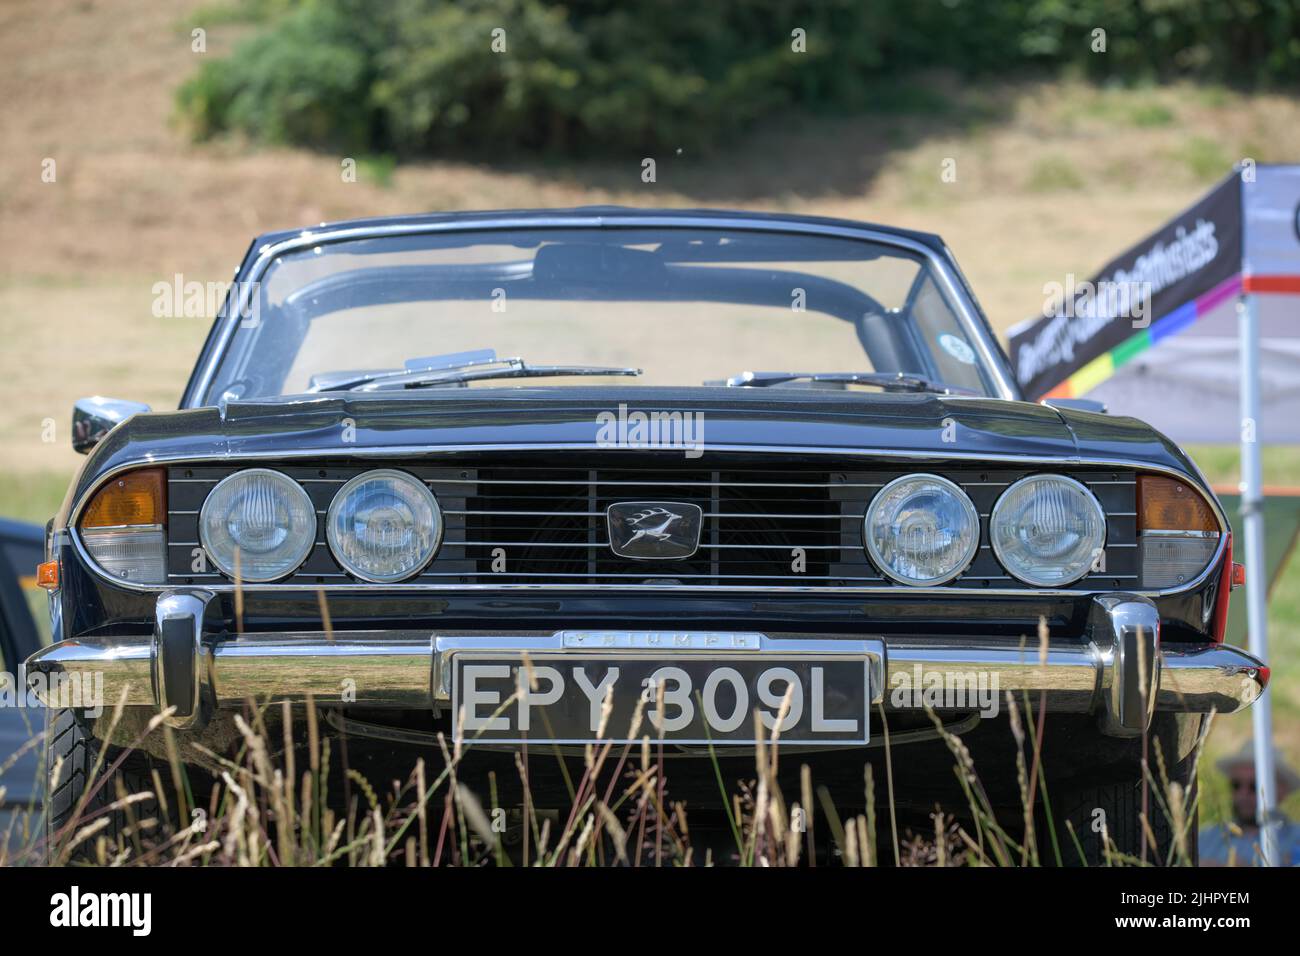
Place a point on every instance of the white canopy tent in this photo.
(1196, 329)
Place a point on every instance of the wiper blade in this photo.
(504, 368)
(889, 381)
(345, 381)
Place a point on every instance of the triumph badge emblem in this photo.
(654, 530)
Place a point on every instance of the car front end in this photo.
(424, 556)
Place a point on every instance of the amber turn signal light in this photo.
(135, 498)
(47, 575)
(1166, 504)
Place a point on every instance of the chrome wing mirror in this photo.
(94, 417)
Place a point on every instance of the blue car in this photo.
(20, 551)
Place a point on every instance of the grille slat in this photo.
(549, 524)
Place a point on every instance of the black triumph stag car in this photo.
(473, 473)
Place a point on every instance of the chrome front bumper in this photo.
(1120, 672)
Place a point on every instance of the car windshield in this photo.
(685, 306)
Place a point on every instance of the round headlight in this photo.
(384, 526)
(1047, 530)
(921, 530)
(257, 525)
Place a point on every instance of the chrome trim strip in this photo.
(425, 451)
(605, 544)
(732, 515)
(1070, 676)
(364, 669)
(751, 589)
(116, 528)
(658, 482)
(661, 640)
(955, 293)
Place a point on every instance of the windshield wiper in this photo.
(889, 381)
(462, 374)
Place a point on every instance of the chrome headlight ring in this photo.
(1088, 519)
(401, 525)
(925, 529)
(266, 525)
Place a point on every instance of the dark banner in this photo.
(1188, 256)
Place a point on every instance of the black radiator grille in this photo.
(553, 524)
(763, 526)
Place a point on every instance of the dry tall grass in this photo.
(264, 810)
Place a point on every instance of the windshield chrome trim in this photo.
(426, 452)
(954, 290)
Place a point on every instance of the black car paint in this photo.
(429, 424)
(811, 420)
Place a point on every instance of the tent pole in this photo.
(1252, 518)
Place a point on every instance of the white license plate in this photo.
(704, 700)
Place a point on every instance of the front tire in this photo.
(1118, 806)
(72, 752)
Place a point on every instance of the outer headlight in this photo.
(384, 526)
(261, 516)
(1047, 530)
(921, 530)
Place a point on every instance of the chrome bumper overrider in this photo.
(183, 665)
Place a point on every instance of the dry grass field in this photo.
(1051, 178)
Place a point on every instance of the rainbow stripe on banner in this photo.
(1171, 323)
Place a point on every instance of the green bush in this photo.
(304, 81)
(421, 77)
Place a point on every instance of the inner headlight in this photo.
(384, 526)
(1047, 530)
(257, 525)
(921, 530)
